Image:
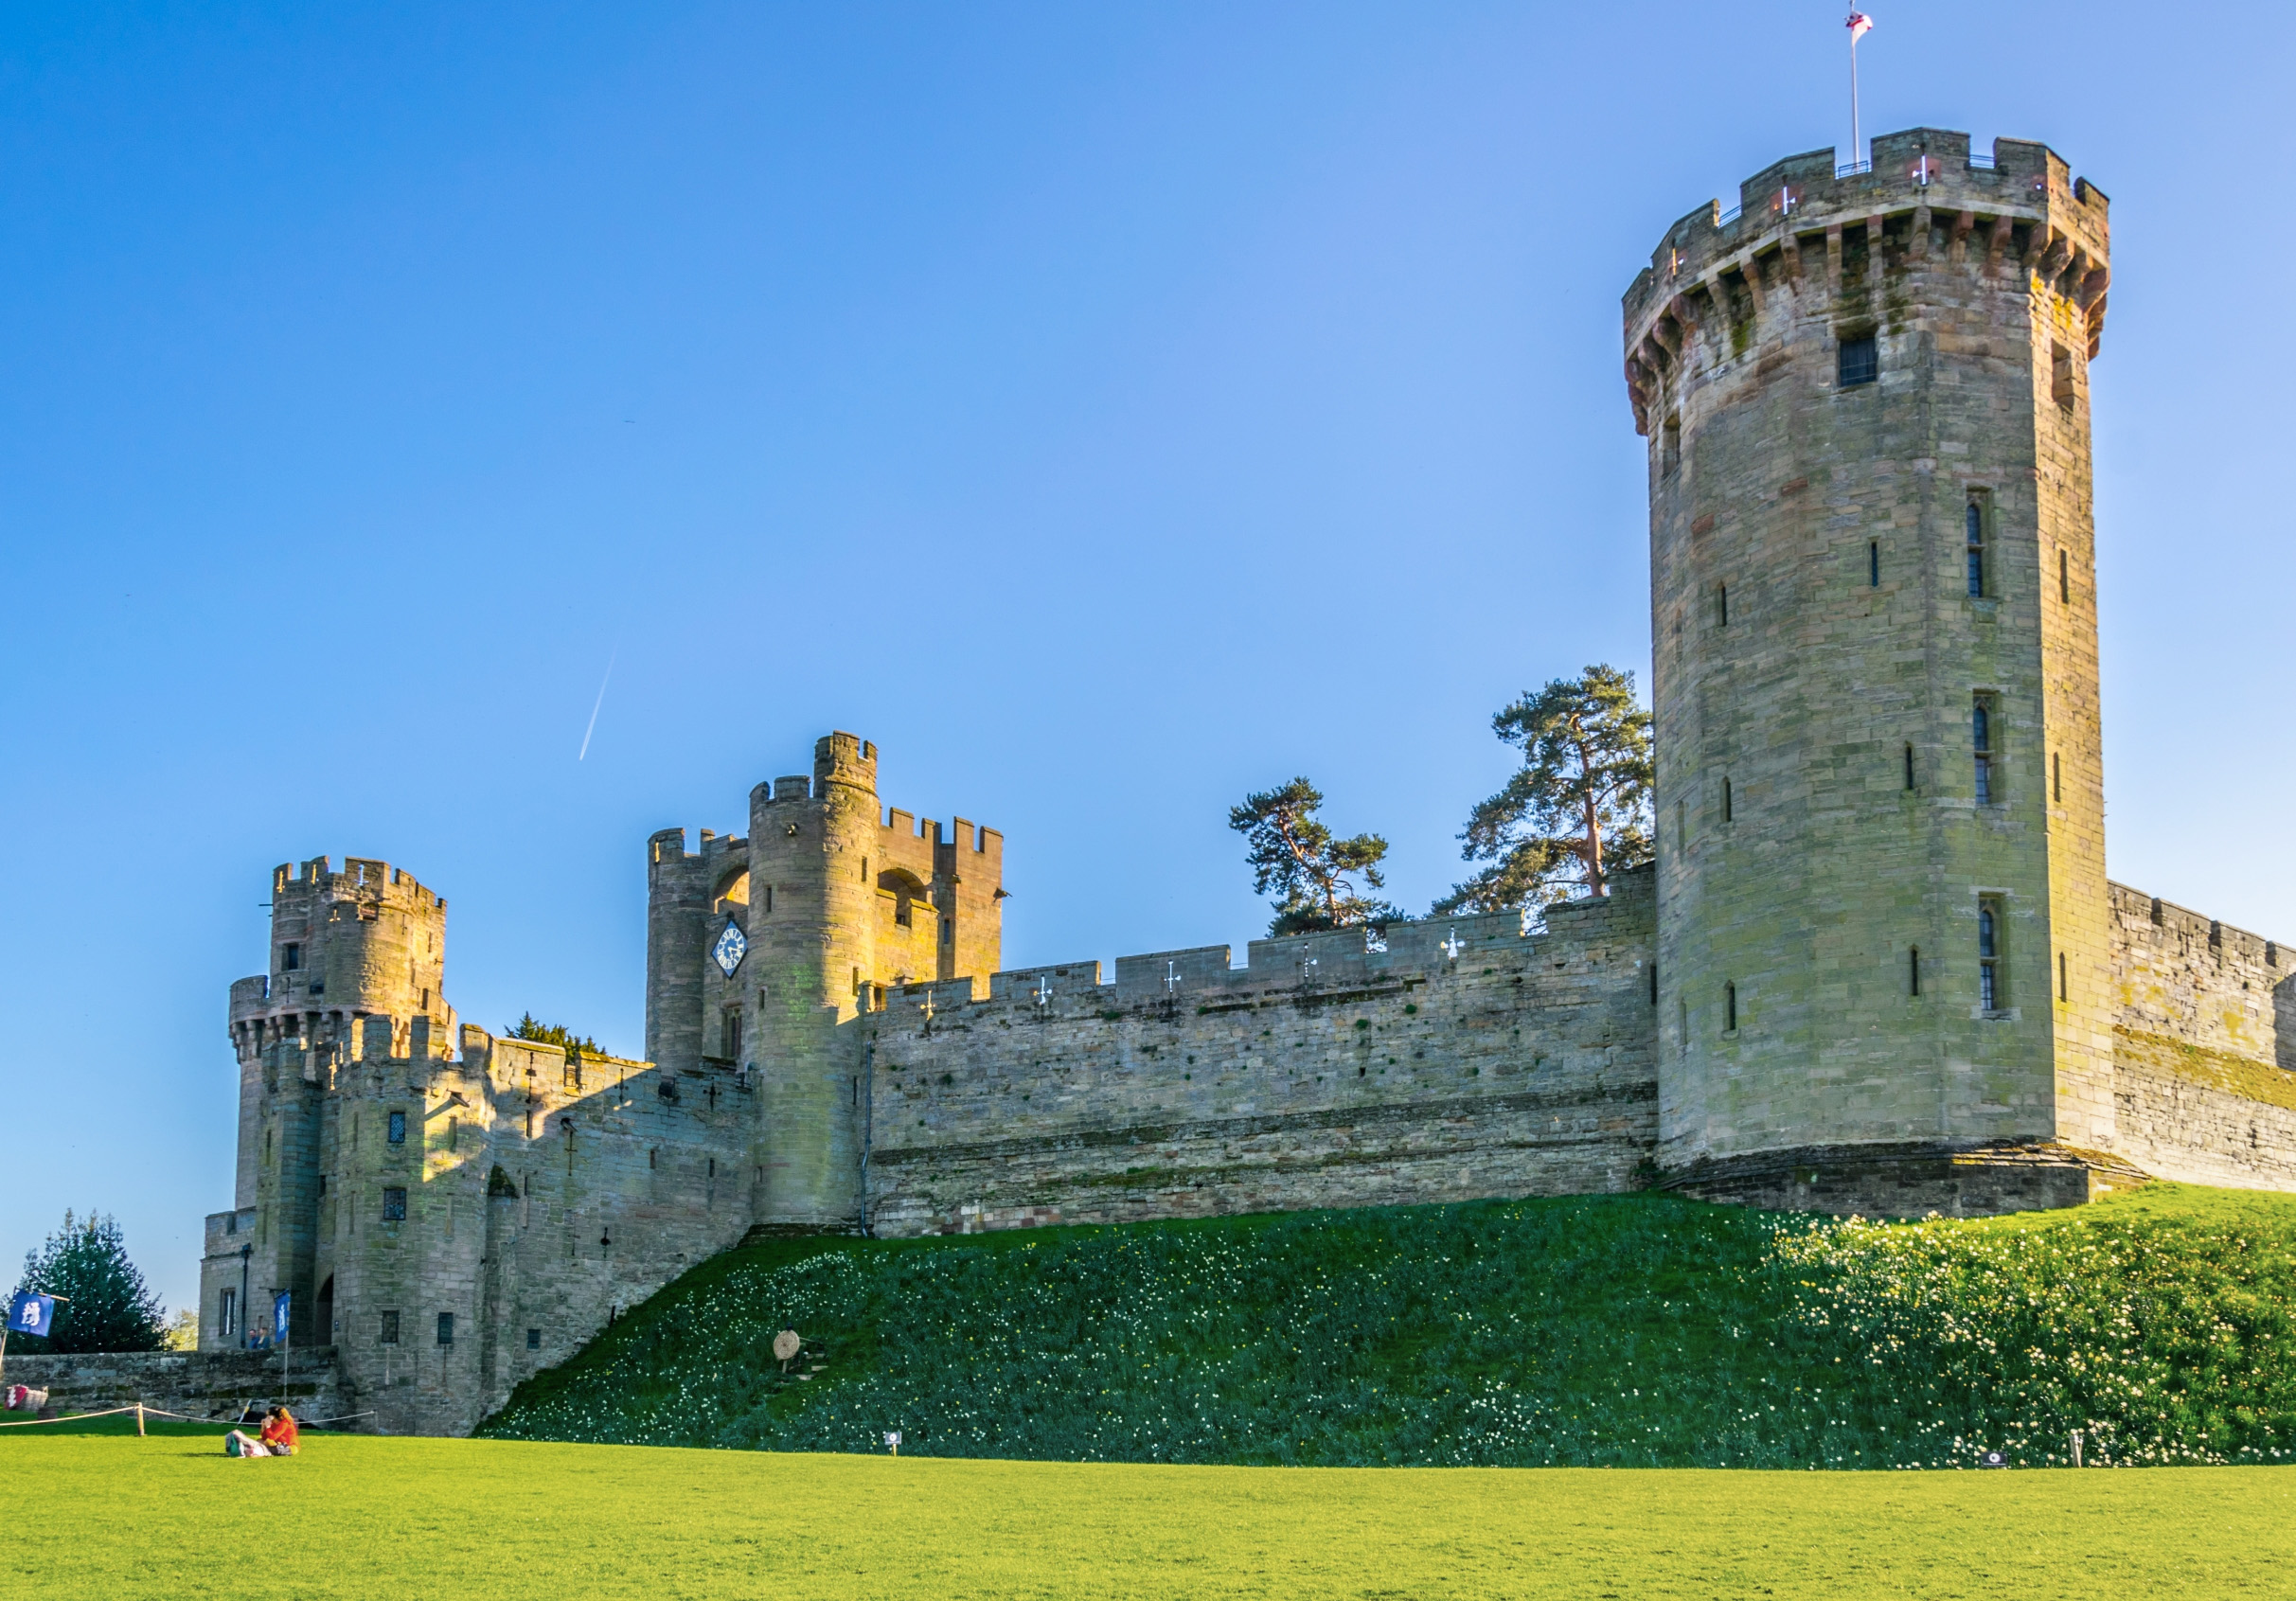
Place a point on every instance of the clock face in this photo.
(732, 946)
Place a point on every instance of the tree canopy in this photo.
(1310, 872)
(554, 1034)
(102, 1304)
(1578, 808)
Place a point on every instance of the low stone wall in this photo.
(1910, 1179)
(216, 1384)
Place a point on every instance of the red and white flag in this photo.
(1859, 24)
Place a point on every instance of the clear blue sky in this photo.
(1107, 409)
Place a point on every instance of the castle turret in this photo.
(357, 959)
(762, 951)
(1882, 935)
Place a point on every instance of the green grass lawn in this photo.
(107, 1518)
(1614, 1331)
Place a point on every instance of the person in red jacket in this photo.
(279, 1431)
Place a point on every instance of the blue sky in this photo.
(1106, 409)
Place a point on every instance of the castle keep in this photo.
(1877, 965)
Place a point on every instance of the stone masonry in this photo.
(1876, 966)
(1874, 675)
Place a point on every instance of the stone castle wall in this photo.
(2205, 1047)
(213, 1384)
(539, 1195)
(1469, 1059)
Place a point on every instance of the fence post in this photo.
(140, 1421)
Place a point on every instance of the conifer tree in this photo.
(1578, 808)
(1311, 873)
(528, 1027)
(102, 1304)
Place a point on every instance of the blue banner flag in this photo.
(279, 1317)
(31, 1313)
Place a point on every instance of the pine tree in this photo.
(1292, 854)
(1577, 810)
(577, 1045)
(102, 1304)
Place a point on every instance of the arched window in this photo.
(1989, 993)
(1980, 742)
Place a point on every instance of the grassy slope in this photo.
(1619, 1331)
(354, 1518)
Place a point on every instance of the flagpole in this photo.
(1856, 143)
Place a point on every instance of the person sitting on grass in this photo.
(279, 1437)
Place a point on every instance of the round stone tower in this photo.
(1882, 939)
(811, 918)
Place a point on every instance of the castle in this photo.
(1876, 966)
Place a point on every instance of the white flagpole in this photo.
(1856, 143)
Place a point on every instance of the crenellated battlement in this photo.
(362, 879)
(846, 759)
(1811, 236)
(1340, 960)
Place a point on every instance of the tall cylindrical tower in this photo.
(811, 915)
(1882, 949)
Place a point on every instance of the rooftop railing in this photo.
(1852, 169)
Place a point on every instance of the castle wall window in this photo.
(1728, 808)
(1913, 972)
(228, 1314)
(1873, 565)
(2061, 375)
(1909, 764)
(1980, 742)
(2064, 978)
(446, 1329)
(394, 1205)
(1670, 445)
(1860, 362)
(1992, 993)
(733, 1034)
(534, 1339)
(291, 959)
(2064, 577)
(1721, 605)
(2057, 775)
(948, 930)
(395, 1133)
(390, 1329)
(1730, 1008)
(1973, 540)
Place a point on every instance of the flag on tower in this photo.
(1859, 24)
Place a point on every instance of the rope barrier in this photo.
(75, 1417)
(181, 1416)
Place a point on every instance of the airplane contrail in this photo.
(601, 701)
